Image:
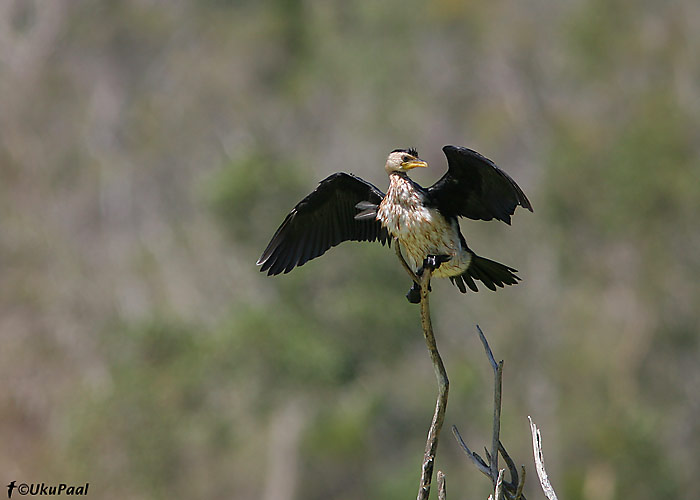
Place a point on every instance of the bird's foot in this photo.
(413, 295)
(432, 262)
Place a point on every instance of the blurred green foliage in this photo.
(147, 155)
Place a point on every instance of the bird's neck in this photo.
(399, 179)
(402, 190)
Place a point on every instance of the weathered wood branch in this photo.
(513, 489)
(442, 493)
(443, 382)
(443, 389)
(539, 462)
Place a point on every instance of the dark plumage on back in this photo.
(322, 220)
(476, 188)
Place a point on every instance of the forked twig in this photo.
(498, 387)
(513, 489)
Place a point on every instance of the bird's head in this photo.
(403, 160)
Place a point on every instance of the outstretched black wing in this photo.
(323, 219)
(475, 187)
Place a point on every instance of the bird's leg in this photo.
(431, 262)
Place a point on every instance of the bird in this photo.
(423, 222)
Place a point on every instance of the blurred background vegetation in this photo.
(149, 149)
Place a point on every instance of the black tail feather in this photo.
(490, 273)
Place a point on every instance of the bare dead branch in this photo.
(443, 387)
(442, 493)
(487, 348)
(443, 383)
(498, 492)
(521, 484)
(539, 462)
(512, 490)
(509, 461)
(478, 461)
(498, 387)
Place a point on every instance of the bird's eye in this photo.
(406, 158)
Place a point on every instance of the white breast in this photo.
(421, 231)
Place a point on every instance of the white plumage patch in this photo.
(421, 231)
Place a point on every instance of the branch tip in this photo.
(539, 462)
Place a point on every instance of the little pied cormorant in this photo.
(423, 221)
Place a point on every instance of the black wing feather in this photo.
(322, 220)
(475, 187)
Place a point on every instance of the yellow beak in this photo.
(408, 165)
